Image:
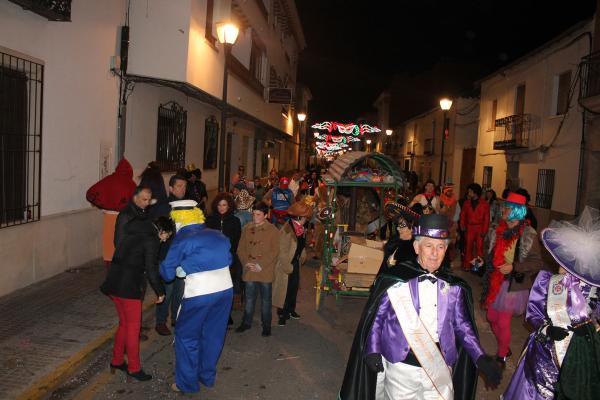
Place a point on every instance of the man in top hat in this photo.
(202, 256)
(417, 337)
(562, 356)
(281, 199)
(513, 261)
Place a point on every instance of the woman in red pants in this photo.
(514, 261)
(135, 259)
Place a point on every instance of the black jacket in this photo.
(129, 213)
(359, 381)
(134, 260)
(229, 225)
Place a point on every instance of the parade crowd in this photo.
(416, 339)
(201, 260)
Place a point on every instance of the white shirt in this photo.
(428, 307)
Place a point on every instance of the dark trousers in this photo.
(173, 295)
(251, 293)
(292, 289)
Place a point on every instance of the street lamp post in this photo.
(445, 105)
(227, 34)
(388, 133)
(301, 117)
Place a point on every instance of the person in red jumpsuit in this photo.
(474, 221)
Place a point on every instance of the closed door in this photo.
(467, 172)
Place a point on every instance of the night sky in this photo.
(355, 49)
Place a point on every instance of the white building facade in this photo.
(62, 91)
(530, 129)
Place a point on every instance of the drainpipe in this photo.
(581, 166)
(580, 174)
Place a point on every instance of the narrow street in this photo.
(303, 360)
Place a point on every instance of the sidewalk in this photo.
(50, 327)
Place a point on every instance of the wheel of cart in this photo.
(328, 280)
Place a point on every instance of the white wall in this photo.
(80, 93)
(142, 120)
(538, 72)
(159, 37)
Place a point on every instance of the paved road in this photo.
(303, 360)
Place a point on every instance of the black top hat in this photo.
(432, 225)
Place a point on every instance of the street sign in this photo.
(280, 95)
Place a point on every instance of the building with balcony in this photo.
(530, 129)
(421, 143)
(77, 91)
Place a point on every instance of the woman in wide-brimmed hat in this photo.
(562, 357)
(293, 238)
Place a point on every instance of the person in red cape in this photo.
(474, 221)
(512, 264)
(111, 194)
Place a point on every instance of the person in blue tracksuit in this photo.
(202, 256)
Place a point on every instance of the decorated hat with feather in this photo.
(575, 245)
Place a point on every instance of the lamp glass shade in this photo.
(368, 141)
(445, 104)
(389, 132)
(301, 117)
(227, 32)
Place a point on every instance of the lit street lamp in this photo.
(389, 132)
(445, 105)
(368, 141)
(301, 117)
(227, 34)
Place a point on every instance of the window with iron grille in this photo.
(21, 89)
(170, 136)
(487, 178)
(545, 188)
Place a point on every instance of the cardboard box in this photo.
(358, 280)
(365, 256)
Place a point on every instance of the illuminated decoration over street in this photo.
(347, 129)
(338, 136)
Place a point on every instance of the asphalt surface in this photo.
(303, 360)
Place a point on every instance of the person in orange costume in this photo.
(475, 221)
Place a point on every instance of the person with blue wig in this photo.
(513, 261)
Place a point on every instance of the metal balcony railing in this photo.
(513, 133)
(590, 76)
(53, 10)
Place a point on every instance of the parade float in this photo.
(358, 185)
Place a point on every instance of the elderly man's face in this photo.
(430, 252)
(142, 199)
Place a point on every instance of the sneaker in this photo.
(266, 331)
(242, 328)
(140, 375)
(162, 330)
(294, 315)
(281, 321)
(175, 388)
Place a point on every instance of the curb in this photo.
(39, 389)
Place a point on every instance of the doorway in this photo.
(467, 171)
